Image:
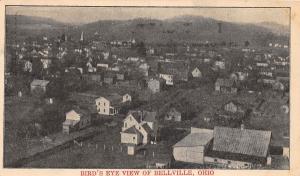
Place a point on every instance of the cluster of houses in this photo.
(224, 146)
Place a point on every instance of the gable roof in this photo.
(70, 122)
(195, 139)
(131, 130)
(145, 116)
(113, 98)
(146, 128)
(238, 141)
(134, 115)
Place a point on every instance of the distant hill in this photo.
(183, 29)
(29, 26)
(276, 28)
(179, 29)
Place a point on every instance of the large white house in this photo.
(138, 127)
(196, 73)
(110, 105)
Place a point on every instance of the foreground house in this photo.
(111, 104)
(139, 127)
(76, 119)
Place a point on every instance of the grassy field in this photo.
(21, 114)
(17, 117)
(103, 151)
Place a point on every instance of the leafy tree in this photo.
(247, 43)
(141, 49)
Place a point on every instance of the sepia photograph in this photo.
(131, 87)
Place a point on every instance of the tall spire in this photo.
(81, 37)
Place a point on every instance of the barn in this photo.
(192, 148)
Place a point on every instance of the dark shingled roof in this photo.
(147, 128)
(247, 142)
(140, 116)
(131, 130)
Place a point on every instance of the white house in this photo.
(76, 119)
(168, 78)
(105, 55)
(138, 127)
(46, 63)
(126, 98)
(28, 66)
(102, 65)
(133, 59)
(110, 105)
(220, 64)
(196, 73)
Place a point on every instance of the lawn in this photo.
(17, 117)
(102, 151)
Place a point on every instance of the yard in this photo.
(102, 151)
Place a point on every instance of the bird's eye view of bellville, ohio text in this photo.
(146, 87)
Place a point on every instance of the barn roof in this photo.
(241, 141)
(195, 139)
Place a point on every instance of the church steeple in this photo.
(81, 37)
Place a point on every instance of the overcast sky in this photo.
(81, 15)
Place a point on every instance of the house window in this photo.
(99, 103)
(104, 104)
(228, 162)
(215, 160)
(133, 138)
(125, 125)
(246, 164)
(103, 110)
